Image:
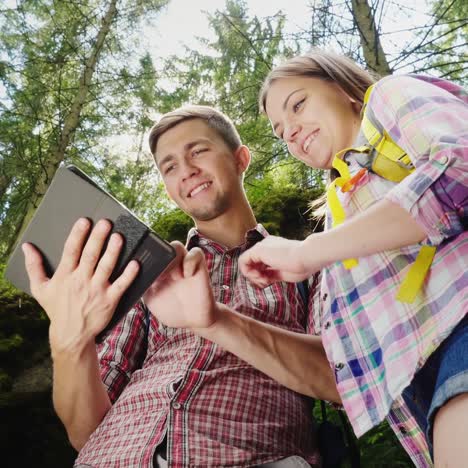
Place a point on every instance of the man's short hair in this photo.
(215, 119)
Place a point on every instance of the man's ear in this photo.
(242, 155)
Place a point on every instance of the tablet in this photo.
(72, 195)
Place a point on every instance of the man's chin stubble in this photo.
(209, 213)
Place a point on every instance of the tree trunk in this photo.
(370, 39)
(57, 152)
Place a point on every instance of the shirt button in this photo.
(402, 430)
(327, 325)
(324, 297)
(443, 159)
(176, 405)
(225, 287)
(339, 366)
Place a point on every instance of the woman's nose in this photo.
(291, 132)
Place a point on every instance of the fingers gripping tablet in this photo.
(72, 195)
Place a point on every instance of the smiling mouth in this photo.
(198, 189)
(309, 140)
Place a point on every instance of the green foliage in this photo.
(32, 435)
(28, 419)
(445, 49)
(228, 74)
(43, 48)
(379, 448)
(381, 444)
(173, 225)
(5, 381)
(281, 205)
(23, 332)
(46, 47)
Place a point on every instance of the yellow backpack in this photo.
(392, 163)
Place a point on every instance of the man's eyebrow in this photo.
(196, 142)
(166, 159)
(285, 103)
(187, 147)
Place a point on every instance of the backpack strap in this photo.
(343, 181)
(414, 279)
(392, 163)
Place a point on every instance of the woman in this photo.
(394, 282)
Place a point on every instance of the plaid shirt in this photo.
(375, 343)
(215, 409)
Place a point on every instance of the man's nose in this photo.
(189, 169)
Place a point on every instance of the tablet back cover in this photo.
(71, 195)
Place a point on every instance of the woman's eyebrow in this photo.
(285, 103)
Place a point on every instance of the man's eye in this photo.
(298, 105)
(169, 169)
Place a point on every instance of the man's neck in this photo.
(230, 228)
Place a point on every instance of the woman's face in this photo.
(315, 118)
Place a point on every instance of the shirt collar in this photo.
(252, 236)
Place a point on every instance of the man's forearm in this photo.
(295, 360)
(80, 398)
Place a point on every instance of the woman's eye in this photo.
(298, 105)
(198, 151)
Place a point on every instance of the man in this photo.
(121, 404)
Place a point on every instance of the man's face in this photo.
(199, 171)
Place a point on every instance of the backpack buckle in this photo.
(349, 185)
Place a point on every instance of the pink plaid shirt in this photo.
(375, 343)
(214, 409)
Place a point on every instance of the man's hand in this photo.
(275, 259)
(182, 296)
(79, 299)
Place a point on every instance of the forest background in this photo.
(81, 83)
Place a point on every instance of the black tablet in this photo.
(72, 195)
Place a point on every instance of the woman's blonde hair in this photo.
(328, 66)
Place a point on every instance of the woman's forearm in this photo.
(295, 360)
(384, 226)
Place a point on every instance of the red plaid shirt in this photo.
(214, 409)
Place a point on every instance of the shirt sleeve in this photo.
(314, 322)
(122, 351)
(429, 122)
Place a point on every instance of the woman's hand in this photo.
(275, 259)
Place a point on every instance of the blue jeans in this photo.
(443, 376)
